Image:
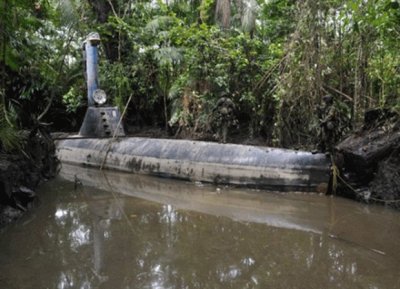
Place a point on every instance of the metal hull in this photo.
(232, 164)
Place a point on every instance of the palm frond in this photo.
(168, 56)
(175, 91)
(158, 23)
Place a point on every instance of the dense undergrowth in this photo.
(275, 59)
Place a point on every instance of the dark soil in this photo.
(22, 171)
(386, 183)
(371, 160)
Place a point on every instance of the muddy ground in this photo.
(22, 170)
(370, 160)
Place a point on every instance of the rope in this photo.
(335, 176)
(115, 132)
(347, 184)
(79, 185)
(118, 202)
(370, 198)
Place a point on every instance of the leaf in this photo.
(168, 56)
(159, 23)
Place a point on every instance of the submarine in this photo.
(102, 143)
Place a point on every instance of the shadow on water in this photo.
(128, 231)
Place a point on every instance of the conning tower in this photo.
(101, 120)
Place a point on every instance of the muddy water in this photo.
(122, 231)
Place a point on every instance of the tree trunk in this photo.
(102, 9)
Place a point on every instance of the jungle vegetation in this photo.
(175, 58)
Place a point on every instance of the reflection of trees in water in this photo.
(197, 251)
(73, 234)
(82, 229)
(174, 249)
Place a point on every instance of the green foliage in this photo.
(346, 48)
(72, 99)
(177, 68)
(205, 10)
(115, 78)
(9, 136)
(277, 20)
(38, 40)
(274, 58)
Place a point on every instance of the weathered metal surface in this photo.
(91, 55)
(202, 161)
(101, 122)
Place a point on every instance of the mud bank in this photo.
(371, 160)
(22, 171)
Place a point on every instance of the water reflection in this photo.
(200, 238)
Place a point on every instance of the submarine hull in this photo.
(232, 164)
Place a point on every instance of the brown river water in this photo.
(112, 230)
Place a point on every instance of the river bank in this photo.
(369, 160)
(22, 170)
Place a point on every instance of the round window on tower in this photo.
(99, 96)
